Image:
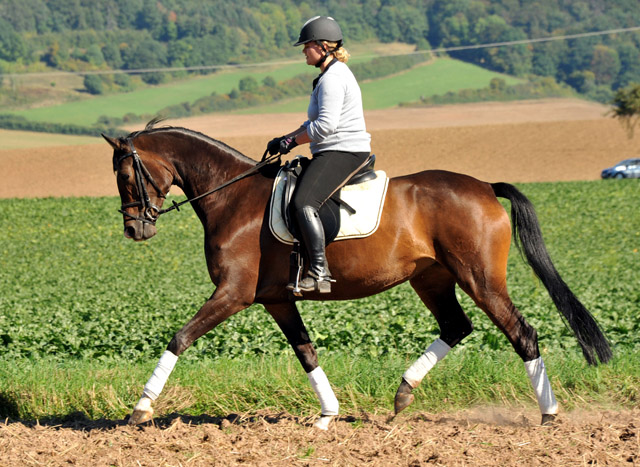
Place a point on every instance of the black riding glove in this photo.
(282, 145)
(273, 146)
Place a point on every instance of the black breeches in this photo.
(326, 172)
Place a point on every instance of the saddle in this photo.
(353, 211)
(362, 194)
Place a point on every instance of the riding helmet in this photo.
(320, 28)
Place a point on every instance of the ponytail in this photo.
(338, 51)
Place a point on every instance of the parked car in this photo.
(628, 168)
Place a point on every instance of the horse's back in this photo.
(445, 192)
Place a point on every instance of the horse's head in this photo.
(143, 179)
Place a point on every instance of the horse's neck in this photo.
(204, 167)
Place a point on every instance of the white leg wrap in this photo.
(541, 386)
(154, 386)
(416, 372)
(320, 384)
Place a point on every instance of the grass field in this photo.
(85, 303)
(435, 78)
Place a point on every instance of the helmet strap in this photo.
(327, 53)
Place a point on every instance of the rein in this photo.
(151, 211)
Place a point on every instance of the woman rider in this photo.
(338, 140)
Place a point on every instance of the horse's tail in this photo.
(528, 239)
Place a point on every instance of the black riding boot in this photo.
(318, 276)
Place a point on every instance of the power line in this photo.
(291, 62)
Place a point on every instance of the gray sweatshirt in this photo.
(336, 119)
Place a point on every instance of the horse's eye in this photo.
(124, 177)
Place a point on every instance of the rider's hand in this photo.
(287, 144)
(273, 146)
(282, 145)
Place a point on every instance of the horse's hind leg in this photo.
(488, 288)
(437, 291)
(288, 319)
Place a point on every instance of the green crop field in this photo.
(79, 302)
(441, 76)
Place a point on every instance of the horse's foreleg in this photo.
(438, 293)
(218, 308)
(288, 319)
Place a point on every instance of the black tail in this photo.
(528, 239)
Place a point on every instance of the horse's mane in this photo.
(150, 128)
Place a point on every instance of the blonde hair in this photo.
(340, 53)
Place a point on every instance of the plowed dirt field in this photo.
(519, 142)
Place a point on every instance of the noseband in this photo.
(150, 211)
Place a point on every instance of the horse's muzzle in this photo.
(138, 230)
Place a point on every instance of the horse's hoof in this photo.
(404, 398)
(140, 416)
(323, 422)
(548, 419)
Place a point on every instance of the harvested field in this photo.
(529, 141)
(517, 142)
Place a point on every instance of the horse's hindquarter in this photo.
(429, 217)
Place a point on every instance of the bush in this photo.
(93, 84)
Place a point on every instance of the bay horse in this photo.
(438, 229)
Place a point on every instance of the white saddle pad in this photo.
(366, 198)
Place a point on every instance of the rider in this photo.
(338, 140)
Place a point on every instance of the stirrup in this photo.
(313, 283)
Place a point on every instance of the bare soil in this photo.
(529, 141)
(486, 437)
(518, 142)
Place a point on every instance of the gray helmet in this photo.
(320, 28)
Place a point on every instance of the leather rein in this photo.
(150, 211)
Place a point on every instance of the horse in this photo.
(438, 229)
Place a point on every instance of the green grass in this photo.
(153, 98)
(74, 287)
(89, 312)
(435, 78)
(439, 77)
(46, 389)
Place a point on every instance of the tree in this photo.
(605, 64)
(248, 84)
(93, 84)
(12, 46)
(626, 107)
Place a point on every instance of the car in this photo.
(628, 168)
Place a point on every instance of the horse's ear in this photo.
(114, 143)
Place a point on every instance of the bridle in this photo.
(150, 211)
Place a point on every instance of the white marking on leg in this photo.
(434, 353)
(158, 379)
(143, 405)
(323, 422)
(320, 384)
(541, 386)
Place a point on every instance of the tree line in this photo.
(134, 34)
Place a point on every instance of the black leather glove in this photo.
(287, 144)
(282, 145)
(273, 146)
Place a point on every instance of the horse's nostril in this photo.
(129, 231)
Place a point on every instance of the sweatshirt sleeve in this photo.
(331, 94)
